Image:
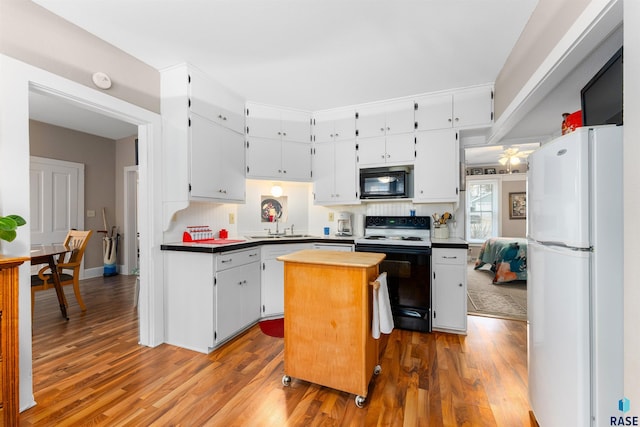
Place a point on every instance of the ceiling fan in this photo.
(512, 156)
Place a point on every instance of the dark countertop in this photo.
(250, 243)
(451, 243)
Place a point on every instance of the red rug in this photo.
(273, 327)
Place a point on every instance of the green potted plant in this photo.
(8, 225)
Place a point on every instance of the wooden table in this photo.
(46, 254)
(328, 301)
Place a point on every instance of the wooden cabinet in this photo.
(203, 142)
(237, 292)
(9, 344)
(335, 173)
(449, 289)
(385, 134)
(278, 143)
(465, 108)
(272, 277)
(328, 311)
(437, 169)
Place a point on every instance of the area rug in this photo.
(273, 327)
(484, 298)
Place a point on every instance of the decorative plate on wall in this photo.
(267, 205)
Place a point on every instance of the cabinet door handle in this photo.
(224, 261)
(284, 134)
(382, 156)
(450, 257)
(460, 284)
(449, 120)
(381, 129)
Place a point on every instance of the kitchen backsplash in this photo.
(302, 213)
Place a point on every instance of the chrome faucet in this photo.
(277, 232)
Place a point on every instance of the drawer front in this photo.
(236, 258)
(449, 256)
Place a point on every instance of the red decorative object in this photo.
(571, 121)
(273, 327)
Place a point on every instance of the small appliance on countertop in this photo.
(345, 226)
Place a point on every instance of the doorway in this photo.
(17, 81)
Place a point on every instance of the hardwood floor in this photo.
(91, 371)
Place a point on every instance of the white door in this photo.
(57, 199)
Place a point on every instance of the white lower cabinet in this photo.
(273, 277)
(449, 290)
(237, 292)
(190, 300)
(210, 297)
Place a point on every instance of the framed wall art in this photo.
(518, 205)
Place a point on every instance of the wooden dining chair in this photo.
(68, 268)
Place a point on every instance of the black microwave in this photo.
(383, 184)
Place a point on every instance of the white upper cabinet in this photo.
(334, 125)
(217, 161)
(265, 121)
(437, 169)
(278, 143)
(386, 119)
(283, 160)
(385, 134)
(335, 173)
(465, 108)
(203, 141)
(214, 102)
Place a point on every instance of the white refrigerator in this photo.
(574, 282)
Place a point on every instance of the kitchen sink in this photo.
(280, 236)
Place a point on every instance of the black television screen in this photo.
(601, 98)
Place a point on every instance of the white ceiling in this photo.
(314, 54)
(319, 54)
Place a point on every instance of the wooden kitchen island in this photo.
(328, 297)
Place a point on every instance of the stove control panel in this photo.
(411, 222)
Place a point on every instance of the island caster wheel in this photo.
(286, 380)
(360, 401)
(377, 370)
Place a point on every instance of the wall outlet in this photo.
(331, 216)
(91, 214)
(232, 218)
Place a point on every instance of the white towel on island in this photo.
(382, 318)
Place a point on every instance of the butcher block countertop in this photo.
(345, 259)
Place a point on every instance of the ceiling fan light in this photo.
(515, 160)
(503, 160)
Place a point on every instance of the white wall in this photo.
(631, 203)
